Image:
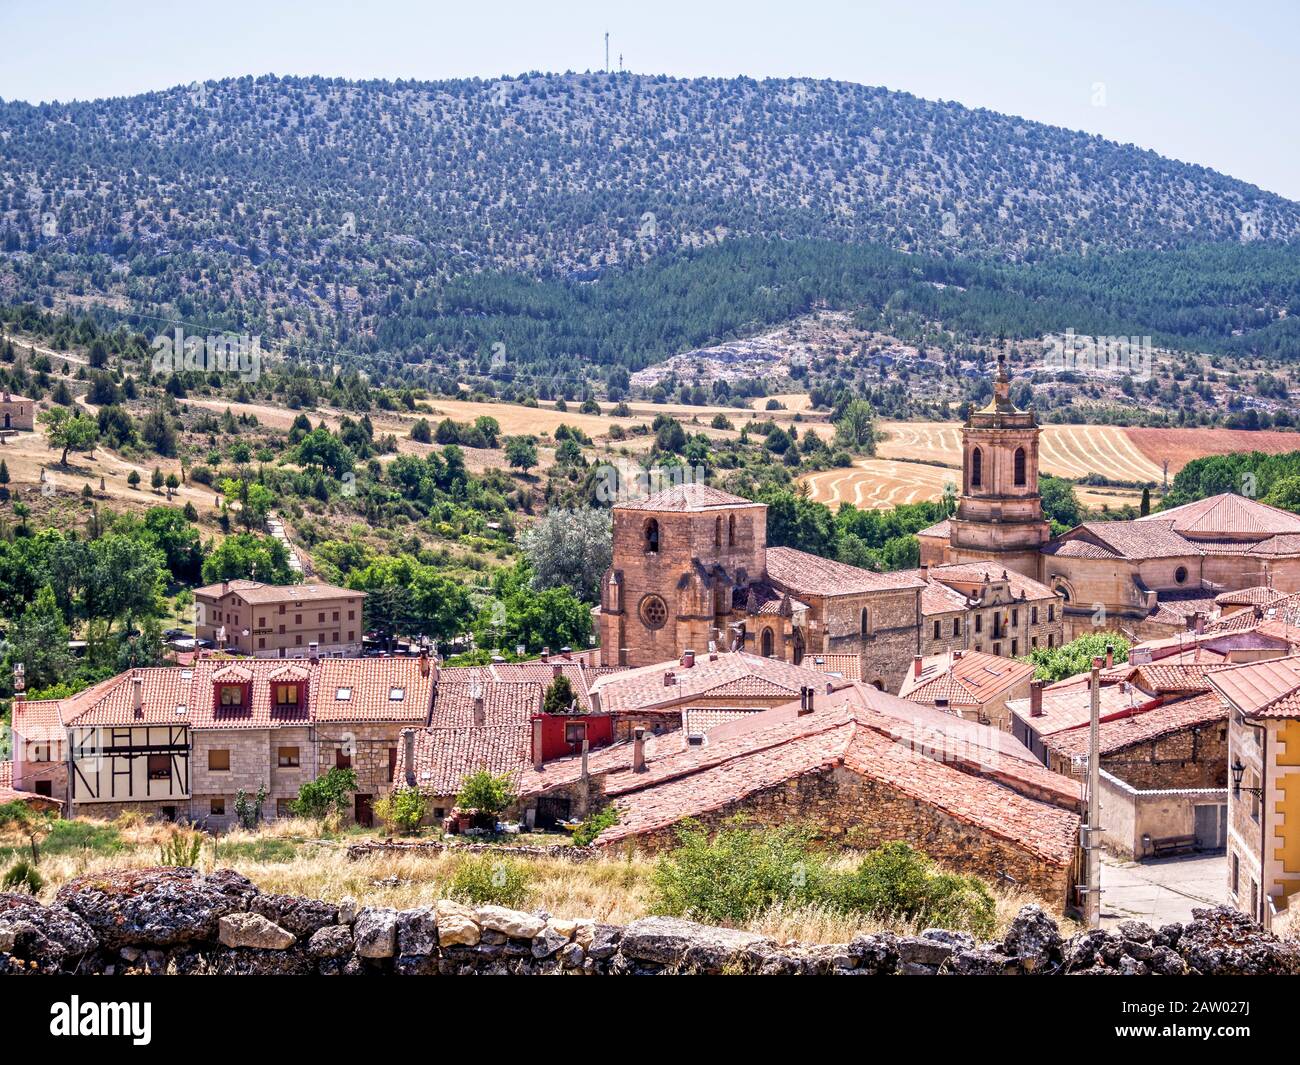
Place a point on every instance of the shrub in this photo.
(593, 825)
(740, 873)
(23, 876)
(327, 795)
(489, 795)
(249, 811)
(404, 810)
(895, 881)
(484, 879)
(183, 849)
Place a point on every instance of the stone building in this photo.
(1264, 787)
(968, 684)
(1145, 578)
(280, 621)
(861, 767)
(17, 412)
(692, 571)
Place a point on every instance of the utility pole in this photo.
(1092, 897)
(607, 51)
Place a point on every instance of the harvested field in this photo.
(1180, 446)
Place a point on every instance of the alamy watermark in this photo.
(1122, 356)
(222, 352)
(626, 482)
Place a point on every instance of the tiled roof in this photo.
(805, 574)
(943, 530)
(255, 592)
(1138, 539)
(444, 757)
(725, 675)
(1119, 733)
(837, 665)
(504, 703)
(1229, 514)
(37, 718)
(1282, 544)
(1260, 594)
(972, 678)
(1068, 705)
(1170, 677)
(697, 720)
(688, 497)
(957, 767)
(1080, 548)
(972, 573)
(371, 685)
(1263, 689)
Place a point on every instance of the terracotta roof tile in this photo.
(255, 592)
(1262, 689)
(444, 757)
(1142, 539)
(1227, 513)
(688, 497)
(371, 684)
(971, 679)
(1118, 733)
(504, 703)
(805, 574)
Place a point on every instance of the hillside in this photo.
(320, 206)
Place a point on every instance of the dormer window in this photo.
(287, 695)
(231, 696)
(652, 537)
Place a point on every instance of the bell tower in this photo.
(1000, 513)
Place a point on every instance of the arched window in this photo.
(864, 623)
(731, 531)
(798, 647)
(717, 532)
(1020, 467)
(652, 536)
(976, 468)
(765, 644)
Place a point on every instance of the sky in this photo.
(1205, 82)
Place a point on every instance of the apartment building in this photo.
(280, 621)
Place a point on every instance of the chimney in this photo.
(137, 695)
(916, 665)
(1036, 698)
(670, 678)
(1110, 656)
(638, 750)
(925, 571)
(594, 698)
(537, 743)
(556, 671)
(585, 772)
(480, 712)
(408, 740)
(688, 658)
(546, 654)
(622, 656)
(1200, 621)
(313, 651)
(424, 661)
(806, 701)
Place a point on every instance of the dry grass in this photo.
(290, 857)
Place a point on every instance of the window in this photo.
(342, 759)
(654, 612)
(343, 695)
(1236, 874)
(997, 649)
(218, 761)
(979, 623)
(1033, 615)
(717, 532)
(864, 622)
(1180, 574)
(297, 619)
(261, 643)
(232, 695)
(937, 627)
(575, 732)
(396, 695)
(335, 617)
(1051, 610)
(281, 608)
(297, 640)
(766, 643)
(45, 787)
(1033, 642)
(287, 757)
(1015, 648)
(351, 635)
(1051, 640)
(41, 753)
(352, 615)
(731, 531)
(652, 536)
(160, 767)
(286, 695)
(217, 807)
(956, 626)
(320, 617)
(976, 468)
(1015, 617)
(1020, 467)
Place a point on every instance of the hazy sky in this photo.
(1206, 82)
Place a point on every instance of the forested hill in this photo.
(330, 201)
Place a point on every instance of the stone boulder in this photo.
(676, 943)
(159, 907)
(302, 917)
(253, 930)
(54, 938)
(513, 923)
(417, 931)
(332, 942)
(1224, 942)
(1034, 940)
(375, 931)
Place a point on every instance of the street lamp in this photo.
(1238, 771)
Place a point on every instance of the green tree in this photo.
(326, 796)
(40, 642)
(570, 549)
(249, 556)
(68, 431)
(559, 698)
(486, 793)
(521, 452)
(855, 429)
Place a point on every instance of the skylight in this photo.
(396, 695)
(343, 694)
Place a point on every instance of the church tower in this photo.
(1000, 513)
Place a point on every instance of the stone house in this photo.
(17, 412)
(280, 621)
(969, 684)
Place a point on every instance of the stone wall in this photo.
(180, 922)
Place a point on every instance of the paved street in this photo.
(1161, 891)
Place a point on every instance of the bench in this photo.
(1172, 845)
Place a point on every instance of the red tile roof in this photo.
(1068, 705)
(943, 530)
(1118, 733)
(980, 572)
(972, 678)
(1262, 689)
(1141, 539)
(372, 682)
(1229, 514)
(444, 757)
(804, 574)
(255, 592)
(837, 665)
(688, 497)
(504, 703)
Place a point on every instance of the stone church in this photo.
(692, 571)
(1148, 578)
